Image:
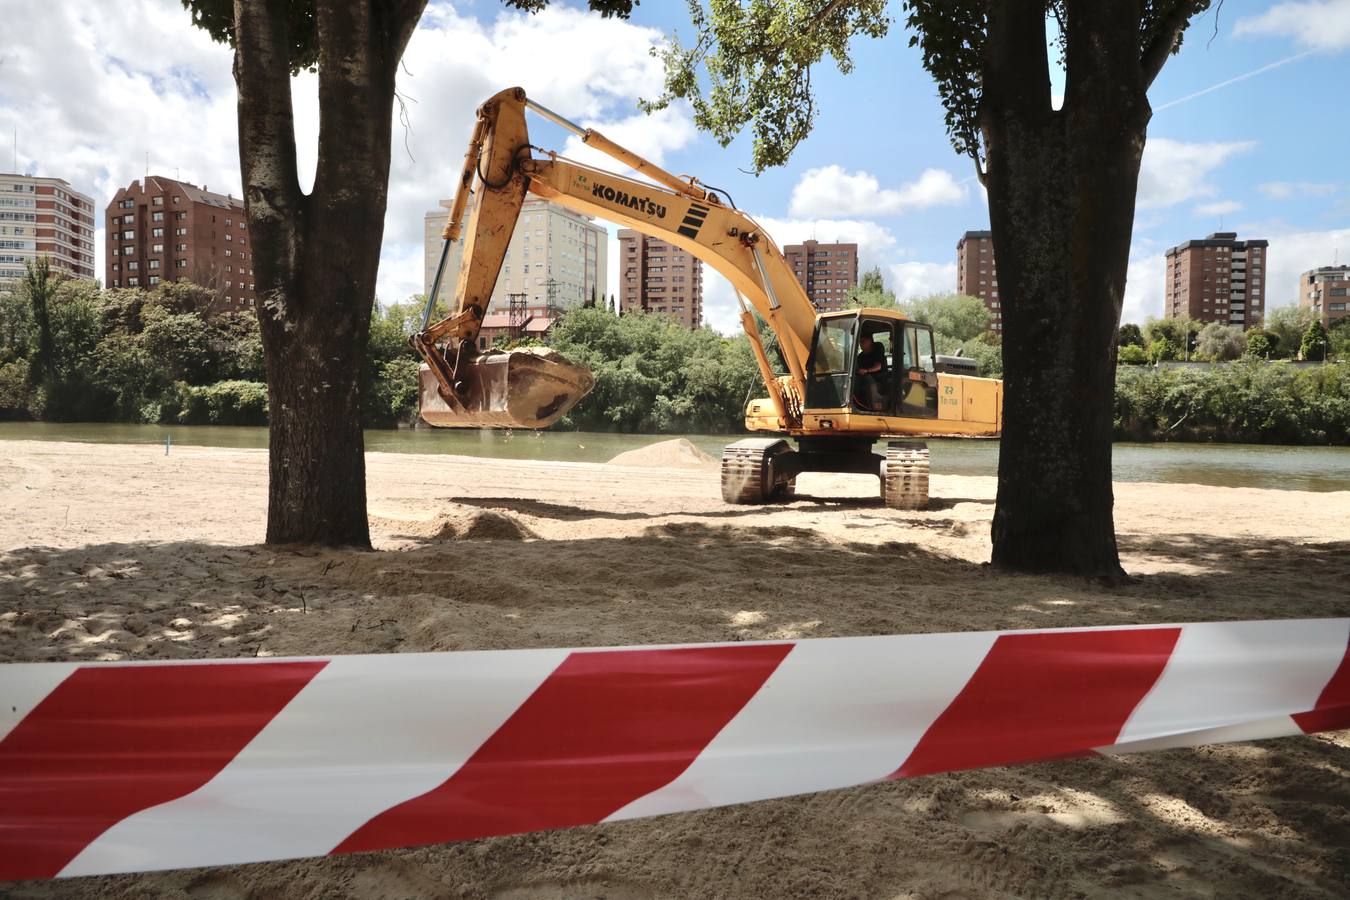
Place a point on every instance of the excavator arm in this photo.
(500, 168)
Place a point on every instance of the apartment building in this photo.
(656, 276)
(44, 217)
(826, 271)
(1326, 291)
(976, 275)
(169, 230)
(1217, 279)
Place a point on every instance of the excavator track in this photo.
(748, 472)
(904, 476)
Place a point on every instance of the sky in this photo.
(1250, 130)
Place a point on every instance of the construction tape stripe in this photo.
(362, 737)
(836, 713)
(1225, 674)
(605, 728)
(1331, 712)
(97, 749)
(1044, 696)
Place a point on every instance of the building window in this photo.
(180, 232)
(158, 201)
(180, 263)
(154, 264)
(157, 216)
(228, 236)
(181, 248)
(157, 248)
(157, 232)
(154, 279)
(133, 282)
(180, 215)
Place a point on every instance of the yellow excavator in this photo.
(853, 376)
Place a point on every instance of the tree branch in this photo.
(1170, 27)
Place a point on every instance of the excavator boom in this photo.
(464, 386)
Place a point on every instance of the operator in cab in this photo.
(871, 371)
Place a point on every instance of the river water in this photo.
(1231, 465)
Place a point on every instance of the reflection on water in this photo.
(1232, 465)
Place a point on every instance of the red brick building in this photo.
(1326, 291)
(976, 275)
(656, 276)
(1218, 279)
(826, 271)
(44, 217)
(168, 230)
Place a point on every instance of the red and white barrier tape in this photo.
(113, 767)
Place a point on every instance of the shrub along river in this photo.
(1301, 468)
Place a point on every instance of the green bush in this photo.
(14, 393)
(1246, 401)
(223, 403)
(1131, 355)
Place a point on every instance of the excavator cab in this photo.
(845, 343)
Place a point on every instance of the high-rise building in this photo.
(44, 217)
(1326, 291)
(1218, 279)
(169, 230)
(826, 271)
(556, 258)
(656, 276)
(433, 227)
(976, 275)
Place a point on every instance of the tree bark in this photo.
(315, 258)
(1061, 198)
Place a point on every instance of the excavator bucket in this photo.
(528, 388)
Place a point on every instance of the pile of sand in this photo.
(458, 525)
(677, 453)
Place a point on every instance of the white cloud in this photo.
(1294, 252)
(1175, 171)
(831, 191)
(1144, 286)
(1219, 208)
(88, 105)
(918, 279)
(1316, 24)
(1285, 190)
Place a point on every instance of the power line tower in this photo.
(551, 308)
(517, 314)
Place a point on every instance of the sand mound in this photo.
(678, 453)
(475, 525)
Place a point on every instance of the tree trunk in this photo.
(315, 258)
(1061, 200)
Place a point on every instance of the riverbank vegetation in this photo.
(72, 352)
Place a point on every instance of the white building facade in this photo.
(556, 258)
(44, 217)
